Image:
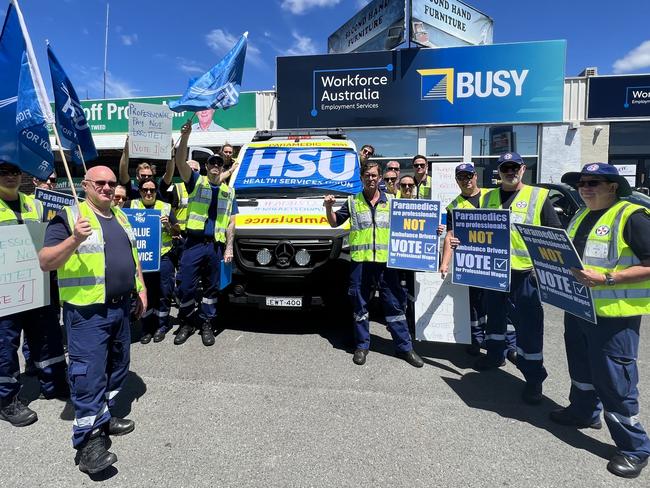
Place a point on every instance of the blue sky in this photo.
(155, 46)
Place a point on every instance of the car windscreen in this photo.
(289, 172)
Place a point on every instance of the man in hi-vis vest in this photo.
(210, 233)
(92, 247)
(612, 236)
(368, 212)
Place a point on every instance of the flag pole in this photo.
(106, 50)
(83, 161)
(65, 163)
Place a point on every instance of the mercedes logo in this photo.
(284, 253)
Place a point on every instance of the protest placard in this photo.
(150, 131)
(413, 240)
(23, 286)
(553, 256)
(148, 234)
(443, 185)
(53, 201)
(483, 257)
(441, 310)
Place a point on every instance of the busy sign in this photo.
(413, 238)
(150, 131)
(23, 285)
(498, 83)
(553, 257)
(299, 166)
(483, 257)
(147, 234)
(53, 202)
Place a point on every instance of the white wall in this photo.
(560, 152)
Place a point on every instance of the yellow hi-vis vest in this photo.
(82, 279)
(181, 211)
(526, 208)
(165, 209)
(199, 205)
(30, 210)
(423, 191)
(461, 202)
(607, 252)
(368, 239)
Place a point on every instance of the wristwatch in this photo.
(609, 279)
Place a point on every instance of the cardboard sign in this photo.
(150, 131)
(148, 235)
(23, 286)
(553, 256)
(53, 202)
(483, 257)
(413, 239)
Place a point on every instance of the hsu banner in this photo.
(553, 257)
(147, 233)
(300, 165)
(53, 202)
(483, 257)
(413, 242)
(500, 83)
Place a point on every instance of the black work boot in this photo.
(118, 426)
(93, 456)
(17, 413)
(184, 331)
(207, 334)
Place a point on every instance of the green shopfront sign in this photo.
(112, 115)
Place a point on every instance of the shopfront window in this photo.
(629, 151)
(445, 142)
(498, 139)
(388, 143)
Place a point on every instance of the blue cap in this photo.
(606, 170)
(510, 157)
(465, 168)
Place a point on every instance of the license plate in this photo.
(284, 301)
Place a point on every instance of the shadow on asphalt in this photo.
(499, 392)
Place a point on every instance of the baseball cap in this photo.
(606, 170)
(510, 157)
(465, 168)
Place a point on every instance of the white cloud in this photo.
(303, 46)
(637, 58)
(362, 3)
(221, 41)
(301, 6)
(190, 66)
(129, 39)
(94, 84)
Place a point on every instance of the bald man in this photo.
(93, 250)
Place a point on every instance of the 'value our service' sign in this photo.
(147, 233)
(53, 201)
(553, 256)
(413, 242)
(150, 131)
(483, 257)
(23, 286)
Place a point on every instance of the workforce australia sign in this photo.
(479, 84)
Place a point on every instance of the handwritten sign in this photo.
(413, 241)
(553, 256)
(483, 257)
(53, 202)
(23, 286)
(150, 131)
(148, 234)
(441, 310)
(443, 185)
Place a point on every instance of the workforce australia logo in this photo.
(447, 84)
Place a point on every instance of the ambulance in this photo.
(286, 254)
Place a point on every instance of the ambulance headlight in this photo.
(302, 257)
(264, 257)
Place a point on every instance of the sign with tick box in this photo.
(483, 257)
(413, 240)
(553, 256)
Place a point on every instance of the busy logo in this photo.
(441, 84)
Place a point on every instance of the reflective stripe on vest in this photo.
(199, 206)
(31, 210)
(368, 240)
(82, 278)
(607, 252)
(463, 203)
(181, 211)
(526, 208)
(423, 191)
(165, 210)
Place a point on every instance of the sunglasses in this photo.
(419, 165)
(368, 152)
(590, 183)
(103, 183)
(120, 198)
(407, 185)
(464, 176)
(393, 168)
(148, 190)
(504, 168)
(9, 171)
(390, 179)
